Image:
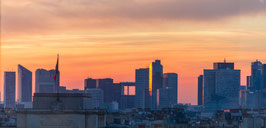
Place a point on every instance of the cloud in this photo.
(54, 15)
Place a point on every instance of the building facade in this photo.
(155, 81)
(221, 87)
(200, 90)
(90, 83)
(170, 80)
(96, 95)
(24, 85)
(10, 90)
(142, 88)
(44, 81)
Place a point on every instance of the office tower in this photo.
(263, 86)
(128, 91)
(165, 98)
(142, 88)
(170, 80)
(248, 82)
(24, 85)
(155, 81)
(128, 88)
(243, 96)
(200, 89)
(106, 86)
(223, 65)
(116, 92)
(10, 90)
(89, 83)
(221, 87)
(110, 89)
(96, 95)
(256, 75)
(44, 81)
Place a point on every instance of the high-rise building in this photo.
(142, 88)
(155, 81)
(248, 82)
(221, 87)
(44, 81)
(200, 89)
(90, 83)
(256, 75)
(24, 85)
(170, 80)
(10, 90)
(109, 89)
(128, 88)
(263, 86)
(164, 99)
(96, 95)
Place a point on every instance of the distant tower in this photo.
(24, 85)
(10, 90)
(90, 83)
(142, 88)
(97, 96)
(155, 80)
(221, 87)
(170, 80)
(44, 81)
(263, 86)
(255, 80)
(200, 89)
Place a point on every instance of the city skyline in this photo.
(96, 40)
(243, 82)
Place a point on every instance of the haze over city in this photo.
(112, 38)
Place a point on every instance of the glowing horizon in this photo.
(112, 38)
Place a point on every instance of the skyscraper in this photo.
(170, 80)
(142, 88)
(107, 85)
(24, 85)
(90, 83)
(164, 97)
(263, 86)
(155, 80)
(44, 81)
(200, 89)
(221, 87)
(248, 82)
(256, 75)
(10, 90)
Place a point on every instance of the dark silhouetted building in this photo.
(90, 83)
(248, 82)
(256, 75)
(142, 99)
(170, 80)
(24, 85)
(155, 81)
(221, 87)
(200, 90)
(263, 86)
(44, 81)
(10, 90)
(223, 65)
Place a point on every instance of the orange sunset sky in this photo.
(112, 38)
